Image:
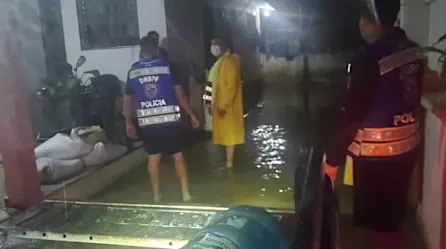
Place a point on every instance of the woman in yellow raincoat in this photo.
(228, 127)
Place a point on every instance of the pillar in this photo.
(16, 141)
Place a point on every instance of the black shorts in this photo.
(164, 140)
(380, 191)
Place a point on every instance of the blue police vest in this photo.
(156, 101)
(392, 123)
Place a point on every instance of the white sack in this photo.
(62, 147)
(97, 156)
(114, 151)
(103, 153)
(52, 169)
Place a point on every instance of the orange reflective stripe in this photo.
(398, 59)
(385, 149)
(386, 134)
(359, 136)
(355, 148)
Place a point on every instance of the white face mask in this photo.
(215, 50)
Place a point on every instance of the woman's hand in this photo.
(209, 108)
(221, 113)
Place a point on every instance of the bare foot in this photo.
(187, 197)
(157, 198)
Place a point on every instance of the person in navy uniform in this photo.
(159, 100)
(161, 51)
(380, 124)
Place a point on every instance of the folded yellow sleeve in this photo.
(348, 173)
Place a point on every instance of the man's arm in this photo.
(181, 95)
(363, 80)
(128, 102)
(182, 99)
(127, 108)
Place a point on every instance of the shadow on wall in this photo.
(284, 84)
(321, 66)
(176, 49)
(29, 32)
(188, 73)
(177, 54)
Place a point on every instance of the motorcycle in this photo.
(91, 99)
(56, 95)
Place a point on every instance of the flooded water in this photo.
(277, 138)
(262, 175)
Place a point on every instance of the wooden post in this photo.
(16, 142)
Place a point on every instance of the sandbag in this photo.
(97, 156)
(103, 153)
(62, 147)
(53, 169)
(90, 134)
(114, 151)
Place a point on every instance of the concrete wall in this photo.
(31, 45)
(185, 46)
(436, 29)
(242, 36)
(320, 65)
(24, 18)
(415, 20)
(424, 23)
(185, 32)
(117, 61)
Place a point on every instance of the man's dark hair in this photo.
(386, 10)
(152, 33)
(148, 41)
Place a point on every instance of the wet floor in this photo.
(262, 175)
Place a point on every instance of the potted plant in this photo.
(441, 60)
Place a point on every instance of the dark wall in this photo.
(321, 26)
(52, 33)
(232, 18)
(185, 31)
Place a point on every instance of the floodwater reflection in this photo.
(271, 145)
(262, 175)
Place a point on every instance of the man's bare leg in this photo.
(230, 156)
(181, 169)
(153, 166)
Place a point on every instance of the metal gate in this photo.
(74, 224)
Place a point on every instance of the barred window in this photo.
(107, 23)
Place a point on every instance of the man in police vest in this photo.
(380, 127)
(159, 97)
